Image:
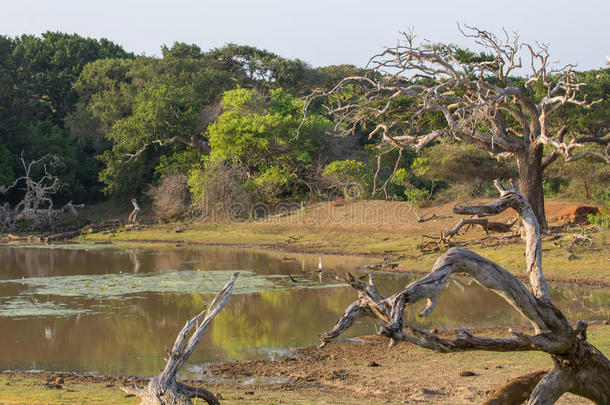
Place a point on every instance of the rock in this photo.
(467, 374)
(373, 364)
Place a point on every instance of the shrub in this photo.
(602, 219)
(417, 196)
(217, 191)
(458, 163)
(269, 184)
(170, 198)
(352, 178)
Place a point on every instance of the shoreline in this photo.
(364, 370)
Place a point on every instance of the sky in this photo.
(320, 32)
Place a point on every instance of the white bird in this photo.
(319, 263)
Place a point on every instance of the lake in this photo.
(107, 310)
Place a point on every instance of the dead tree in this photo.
(164, 388)
(417, 94)
(133, 216)
(579, 367)
(37, 202)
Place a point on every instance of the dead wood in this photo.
(163, 388)
(37, 203)
(579, 367)
(478, 101)
(487, 225)
(133, 216)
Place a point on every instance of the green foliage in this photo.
(37, 93)
(416, 196)
(400, 177)
(269, 184)
(420, 166)
(259, 134)
(553, 185)
(414, 189)
(465, 169)
(352, 177)
(159, 112)
(179, 162)
(586, 178)
(602, 219)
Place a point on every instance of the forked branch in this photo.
(164, 388)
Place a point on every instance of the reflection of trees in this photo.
(129, 336)
(578, 302)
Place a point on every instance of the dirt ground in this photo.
(362, 370)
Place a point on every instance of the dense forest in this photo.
(195, 128)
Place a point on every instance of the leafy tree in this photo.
(260, 135)
(37, 76)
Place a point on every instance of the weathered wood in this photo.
(487, 225)
(133, 216)
(579, 367)
(164, 388)
(37, 203)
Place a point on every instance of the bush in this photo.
(170, 198)
(602, 219)
(352, 178)
(269, 185)
(217, 191)
(417, 196)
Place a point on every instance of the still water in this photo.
(112, 311)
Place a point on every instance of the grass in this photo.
(33, 390)
(377, 228)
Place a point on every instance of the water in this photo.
(112, 311)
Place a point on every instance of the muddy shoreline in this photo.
(362, 370)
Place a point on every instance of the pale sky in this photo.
(318, 32)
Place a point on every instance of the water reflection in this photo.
(48, 319)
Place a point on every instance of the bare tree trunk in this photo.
(133, 216)
(579, 368)
(164, 388)
(530, 181)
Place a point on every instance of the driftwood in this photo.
(133, 216)
(579, 367)
(488, 226)
(163, 388)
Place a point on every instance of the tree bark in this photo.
(530, 181)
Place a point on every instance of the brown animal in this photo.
(515, 391)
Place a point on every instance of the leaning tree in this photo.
(579, 367)
(415, 95)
